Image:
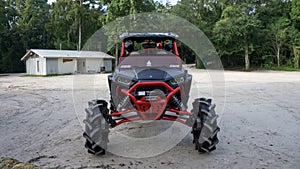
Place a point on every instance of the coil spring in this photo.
(177, 103)
(123, 103)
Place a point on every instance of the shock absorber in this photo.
(177, 103)
(123, 103)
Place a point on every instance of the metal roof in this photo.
(140, 35)
(50, 53)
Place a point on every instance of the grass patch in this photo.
(284, 68)
(50, 75)
(242, 69)
(281, 68)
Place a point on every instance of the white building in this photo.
(44, 62)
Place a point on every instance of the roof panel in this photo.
(140, 35)
(46, 53)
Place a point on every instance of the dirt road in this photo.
(259, 121)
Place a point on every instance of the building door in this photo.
(51, 66)
(108, 65)
(81, 65)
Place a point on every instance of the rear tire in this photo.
(205, 128)
(96, 127)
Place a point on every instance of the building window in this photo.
(83, 64)
(67, 60)
(38, 66)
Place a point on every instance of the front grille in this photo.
(146, 90)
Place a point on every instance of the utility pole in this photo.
(80, 25)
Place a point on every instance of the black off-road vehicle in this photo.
(150, 83)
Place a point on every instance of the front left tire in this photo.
(96, 127)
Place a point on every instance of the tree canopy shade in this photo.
(264, 34)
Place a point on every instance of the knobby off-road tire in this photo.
(96, 127)
(205, 128)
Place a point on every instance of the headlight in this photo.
(177, 80)
(124, 80)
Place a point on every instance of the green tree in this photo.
(295, 31)
(161, 8)
(10, 45)
(203, 14)
(60, 24)
(73, 21)
(272, 39)
(235, 30)
(120, 8)
(4, 27)
(32, 20)
(278, 38)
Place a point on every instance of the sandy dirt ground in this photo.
(41, 123)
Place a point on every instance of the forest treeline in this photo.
(246, 33)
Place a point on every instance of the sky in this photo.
(173, 2)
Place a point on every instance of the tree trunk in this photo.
(247, 62)
(68, 36)
(296, 56)
(198, 63)
(278, 55)
(79, 34)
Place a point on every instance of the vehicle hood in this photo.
(138, 73)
